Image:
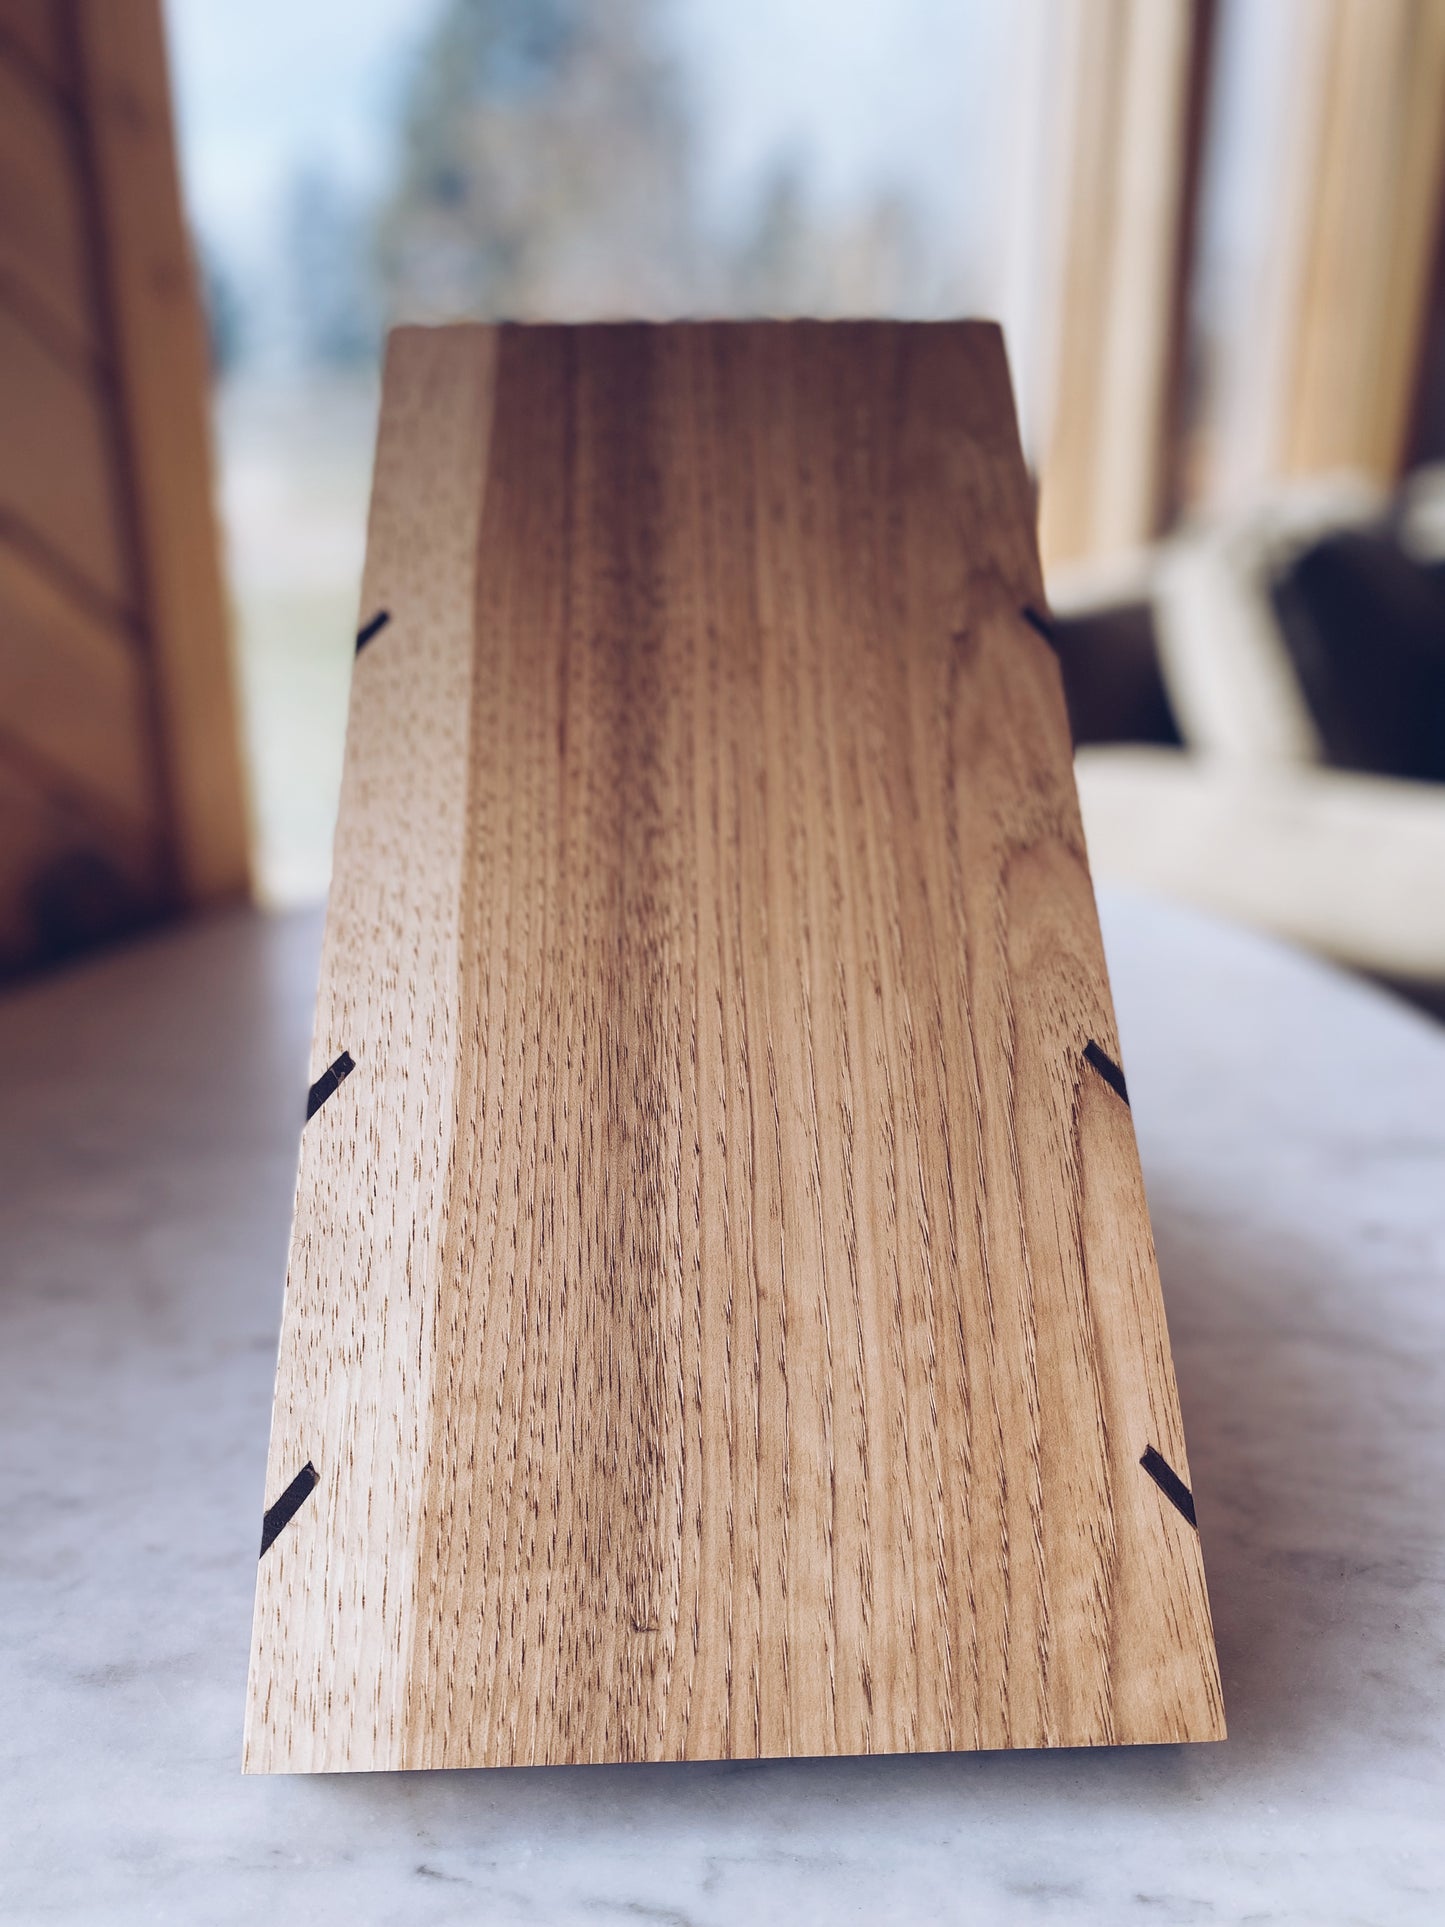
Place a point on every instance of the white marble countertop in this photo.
(1292, 1125)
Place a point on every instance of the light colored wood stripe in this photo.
(336, 1601)
(1254, 336)
(1126, 68)
(1315, 355)
(723, 1318)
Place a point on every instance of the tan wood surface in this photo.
(722, 1318)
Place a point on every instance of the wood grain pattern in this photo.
(722, 1313)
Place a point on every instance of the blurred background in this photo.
(1212, 230)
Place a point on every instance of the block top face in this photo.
(722, 1318)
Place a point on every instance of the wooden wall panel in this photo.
(36, 836)
(36, 32)
(70, 877)
(1319, 286)
(1249, 348)
(118, 734)
(1375, 223)
(73, 687)
(62, 487)
(163, 368)
(1126, 73)
(44, 244)
(722, 1318)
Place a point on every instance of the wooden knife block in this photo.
(722, 1318)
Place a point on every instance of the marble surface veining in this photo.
(1293, 1136)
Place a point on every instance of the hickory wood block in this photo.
(722, 1317)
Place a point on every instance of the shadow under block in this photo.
(722, 1318)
